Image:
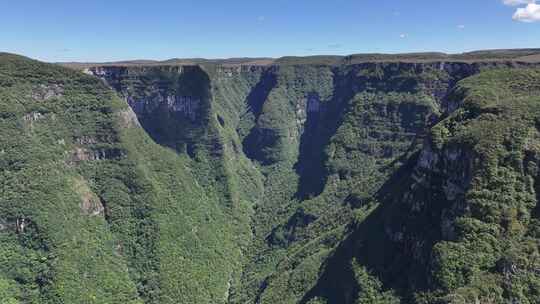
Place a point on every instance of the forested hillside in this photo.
(363, 179)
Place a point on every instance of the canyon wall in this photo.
(297, 182)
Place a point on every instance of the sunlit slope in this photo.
(91, 209)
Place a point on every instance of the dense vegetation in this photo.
(311, 181)
(461, 218)
(524, 55)
(92, 210)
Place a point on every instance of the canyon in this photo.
(409, 178)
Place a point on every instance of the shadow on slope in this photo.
(375, 244)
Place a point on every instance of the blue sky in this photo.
(108, 30)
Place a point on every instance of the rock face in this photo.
(129, 118)
(165, 99)
(184, 105)
(174, 97)
(45, 92)
(90, 205)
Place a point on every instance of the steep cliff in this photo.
(458, 223)
(92, 210)
(360, 179)
(322, 143)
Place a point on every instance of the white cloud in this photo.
(402, 36)
(461, 26)
(530, 13)
(517, 2)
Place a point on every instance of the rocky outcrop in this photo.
(128, 118)
(90, 205)
(34, 116)
(45, 92)
(164, 98)
(187, 106)
(81, 154)
(155, 90)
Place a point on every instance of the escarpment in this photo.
(326, 141)
(343, 180)
(458, 212)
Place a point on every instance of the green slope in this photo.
(111, 217)
(311, 148)
(369, 182)
(458, 223)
